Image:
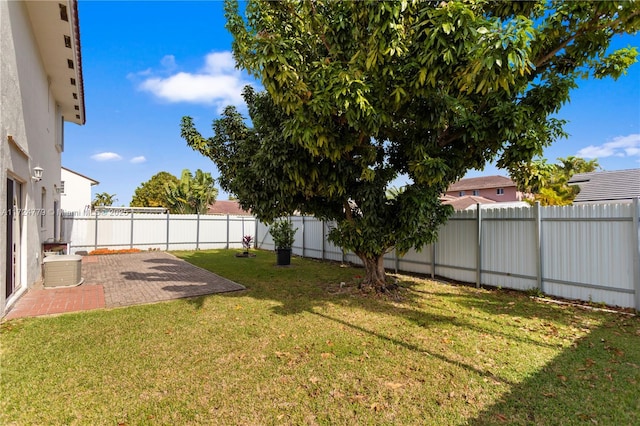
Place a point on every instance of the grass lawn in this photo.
(298, 347)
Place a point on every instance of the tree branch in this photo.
(594, 24)
(322, 36)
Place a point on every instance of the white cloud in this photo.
(621, 146)
(218, 83)
(106, 156)
(138, 159)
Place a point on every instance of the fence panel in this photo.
(149, 231)
(587, 253)
(456, 250)
(417, 261)
(508, 248)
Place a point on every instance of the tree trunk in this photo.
(375, 275)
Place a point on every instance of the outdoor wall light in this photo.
(37, 173)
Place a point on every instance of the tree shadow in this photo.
(595, 381)
(575, 387)
(142, 279)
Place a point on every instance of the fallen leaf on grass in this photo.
(394, 385)
(314, 379)
(336, 394)
(326, 355)
(281, 355)
(549, 394)
(562, 378)
(501, 417)
(357, 398)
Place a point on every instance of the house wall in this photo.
(76, 199)
(30, 116)
(510, 194)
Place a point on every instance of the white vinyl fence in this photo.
(146, 231)
(583, 252)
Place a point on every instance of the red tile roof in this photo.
(483, 182)
(461, 203)
(227, 207)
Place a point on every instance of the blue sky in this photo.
(147, 64)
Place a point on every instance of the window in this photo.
(500, 191)
(461, 193)
(476, 192)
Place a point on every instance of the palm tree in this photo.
(191, 194)
(102, 199)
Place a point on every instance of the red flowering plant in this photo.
(246, 243)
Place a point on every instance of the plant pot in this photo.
(284, 256)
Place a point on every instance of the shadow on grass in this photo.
(592, 380)
(596, 381)
(310, 284)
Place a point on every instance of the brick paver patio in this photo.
(122, 280)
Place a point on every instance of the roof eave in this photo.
(62, 62)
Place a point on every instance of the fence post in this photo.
(197, 230)
(167, 230)
(433, 260)
(227, 232)
(303, 242)
(636, 250)
(95, 241)
(479, 247)
(538, 220)
(396, 260)
(255, 232)
(323, 239)
(131, 243)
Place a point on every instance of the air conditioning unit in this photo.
(63, 270)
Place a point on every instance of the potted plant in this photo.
(283, 235)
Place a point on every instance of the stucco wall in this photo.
(30, 116)
(77, 193)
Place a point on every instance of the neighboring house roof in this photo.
(57, 31)
(615, 185)
(483, 182)
(462, 203)
(93, 181)
(227, 207)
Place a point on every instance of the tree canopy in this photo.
(358, 93)
(548, 182)
(153, 193)
(191, 194)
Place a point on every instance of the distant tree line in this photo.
(187, 195)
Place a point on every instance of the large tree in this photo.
(191, 193)
(360, 92)
(153, 193)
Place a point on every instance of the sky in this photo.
(147, 64)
